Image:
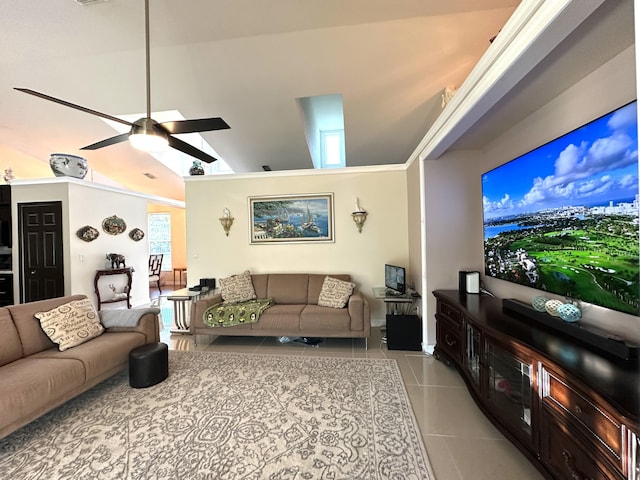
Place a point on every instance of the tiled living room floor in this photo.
(462, 444)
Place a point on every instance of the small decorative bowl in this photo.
(539, 302)
(552, 307)
(569, 312)
(67, 165)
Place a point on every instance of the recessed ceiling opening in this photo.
(324, 129)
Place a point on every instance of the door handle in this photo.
(33, 272)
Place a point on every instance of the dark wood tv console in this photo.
(573, 411)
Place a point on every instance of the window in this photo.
(160, 238)
(332, 145)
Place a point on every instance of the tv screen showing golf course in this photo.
(563, 218)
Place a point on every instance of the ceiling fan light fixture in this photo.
(148, 142)
(145, 137)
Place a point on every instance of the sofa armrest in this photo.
(148, 325)
(197, 310)
(359, 312)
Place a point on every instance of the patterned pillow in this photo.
(237, 288)
(335, 293)
(71, 324)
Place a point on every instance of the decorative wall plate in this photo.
(87, 233)
(136, 234)
(114, 225)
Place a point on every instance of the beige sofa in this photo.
(296, 312)
(36, 377)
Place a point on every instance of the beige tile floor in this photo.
(461, 443)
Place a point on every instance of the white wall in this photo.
(382, 192)
(454, 196)
(415, 226)
(453, 218)
(89, 204)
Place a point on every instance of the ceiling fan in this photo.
(147, 134)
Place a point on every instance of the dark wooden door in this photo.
(41, 262)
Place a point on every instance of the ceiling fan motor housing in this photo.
(147, 135)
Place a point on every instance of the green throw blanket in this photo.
(232, 314)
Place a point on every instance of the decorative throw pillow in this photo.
(335, 293)
(237, 288)
(71, 324)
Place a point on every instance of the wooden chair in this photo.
(155, 265)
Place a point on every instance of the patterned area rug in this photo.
(231, 416)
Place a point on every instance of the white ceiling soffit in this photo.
(532, 32)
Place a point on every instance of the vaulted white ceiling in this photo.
(244, 60)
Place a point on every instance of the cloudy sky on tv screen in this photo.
(564, 217)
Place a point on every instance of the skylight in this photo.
(171, 158)
(331, 148)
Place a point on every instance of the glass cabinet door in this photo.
(472, 352)
(509, 389)
(633, 456)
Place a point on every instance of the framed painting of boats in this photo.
(291, 218)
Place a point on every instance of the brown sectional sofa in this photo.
(296, 312)
(35, 377)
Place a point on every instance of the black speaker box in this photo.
(404, 332)
(208, 282)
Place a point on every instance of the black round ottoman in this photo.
(148, 365)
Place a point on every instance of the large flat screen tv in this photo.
(563, 218)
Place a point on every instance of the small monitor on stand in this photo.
(394, 280)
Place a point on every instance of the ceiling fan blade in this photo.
(123, 137)
(197, 125)
(184, 147)
(72, 105)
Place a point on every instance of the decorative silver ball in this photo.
(569, 312)
(539, 302)
(552, 307)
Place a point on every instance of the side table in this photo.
(182, 306)
(179, 271)
(403, 329)
(126, 296)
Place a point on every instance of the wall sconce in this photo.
(359, 216)
(226, 221)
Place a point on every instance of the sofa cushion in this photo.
(288, 288)
(71, 324)
(316, 280)
(237, 288)
(112, 346)
(30, 385)
(32, 336)
(260, 282)
(315, 318)
(335, 293)
(10, 346)
(280, 317)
